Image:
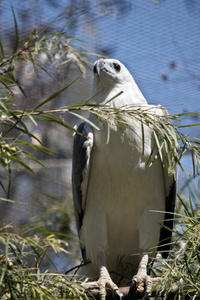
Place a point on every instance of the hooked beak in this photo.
(98, 66)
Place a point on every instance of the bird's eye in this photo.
(117, 67)
(95, 69)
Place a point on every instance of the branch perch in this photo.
(92, 290)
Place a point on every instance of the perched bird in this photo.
(121, 184)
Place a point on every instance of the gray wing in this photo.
(166, 230)
(170, 180)
(82, 149)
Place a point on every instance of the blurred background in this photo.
(158, 41)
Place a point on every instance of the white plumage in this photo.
(115, 192)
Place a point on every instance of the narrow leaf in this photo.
(11, 157)
(37, 147)
(16, 31)
(35, 159)
(18, 120)
(50, 75)
(152, 150)
(189, 125)
(9, 181)
(117, 95)
(6, 86)
(6, 78)
(85, 119)
(55, 94)
(2, 51)
(108, 133)
(1, 184)
(143, 138)
(158, 146)
(30, 117)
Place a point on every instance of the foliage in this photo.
(56, 46)
(183, 265)
(18, 280)
(21, 247)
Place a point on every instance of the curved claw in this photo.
(141, 283)
(133, 287)
(107, 284)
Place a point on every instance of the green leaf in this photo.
(9, 181)
(7, 79)
(35, 159)
(37, 147)
(94, 96)
(14, 77)
(50, 75)
(152, 150)
(16, 31)
(159, 146)
(20, 129)
(18, 120)
(7, 96)
(117, 95)
(143, 137)
(108, 133)
(30, 117)
(55, 95)
(2, 51)
(12, 157)
(84, 119)
(4, 189)
(188, 125)
(6, 86)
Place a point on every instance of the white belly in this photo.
(121, 193)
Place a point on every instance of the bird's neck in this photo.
(119, 95)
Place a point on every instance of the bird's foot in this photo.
(106, 284)
(141, 285)
(141, 282)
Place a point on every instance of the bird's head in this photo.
(111, 76)
(109, 72)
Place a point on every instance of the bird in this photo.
(123, 191)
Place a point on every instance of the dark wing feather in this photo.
(166, 230)
(82, 148)
(171, 187)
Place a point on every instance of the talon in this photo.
(107, 284)
(132, 288)
(141, 283)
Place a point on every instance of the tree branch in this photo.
(92, 290)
